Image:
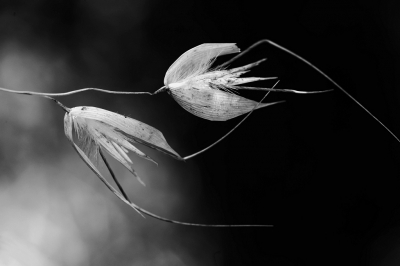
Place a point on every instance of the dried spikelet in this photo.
(97, 128)
(208, 94)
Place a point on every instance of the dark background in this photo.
(317, 167)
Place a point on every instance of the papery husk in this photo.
(137, 131)
(213, 104)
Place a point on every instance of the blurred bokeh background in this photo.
(318, 167)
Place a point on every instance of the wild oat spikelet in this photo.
(208, 93)
(98, 128)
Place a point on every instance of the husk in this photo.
(213, 104)
(134, 129)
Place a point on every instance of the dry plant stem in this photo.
(71, 92)
(163, 88)
(215, 143)
(198, 225)
(315, 68)
(66, 109)
(113, 176)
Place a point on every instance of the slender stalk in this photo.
(72, 92)
(215, 143)
(66, 109)
(163, 88)
(198, 225)
(113, 176)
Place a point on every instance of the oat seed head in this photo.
(101, 129)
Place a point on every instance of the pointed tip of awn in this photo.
(140, 180)
(269, 104)
(135, 174)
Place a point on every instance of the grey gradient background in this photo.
(317, 167)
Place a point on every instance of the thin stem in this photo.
(315, 68)
(66, 109)
(163, 88)
(113, 176)
(198, 225)
(215, 143)
(71, 92)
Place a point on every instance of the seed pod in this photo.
(208, 94)
(97, 128)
